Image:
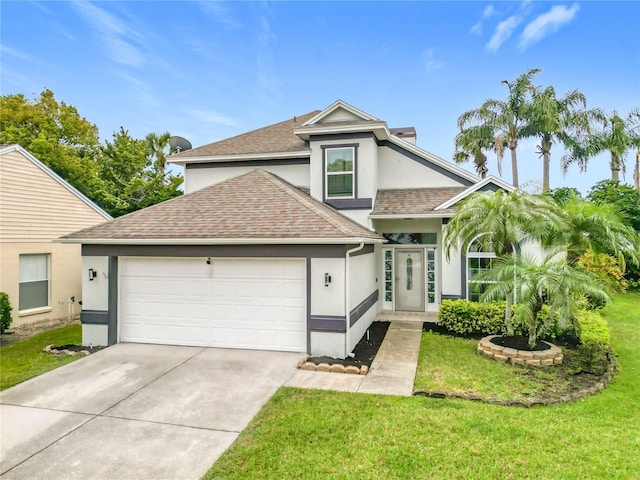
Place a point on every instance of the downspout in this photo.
(347, 289)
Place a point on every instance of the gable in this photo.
(35, 204)
(340, 115)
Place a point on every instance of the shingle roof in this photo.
(413, 201)
(275, 138)
(256, 205)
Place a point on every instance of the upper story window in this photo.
(340, 172)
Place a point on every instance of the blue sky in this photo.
(210, 70)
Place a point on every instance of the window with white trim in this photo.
(339, 172)
(34, 282)
(479, 260)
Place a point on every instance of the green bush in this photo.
(462, 317)
(547, 328)
(5, 312)
(593, 328)
(594, 342)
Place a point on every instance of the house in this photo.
(42, 278)
(290, 237)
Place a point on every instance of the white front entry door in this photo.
(409, 276)
(236, 303)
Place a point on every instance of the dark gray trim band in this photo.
(350, 203)
(489, 187)
(426, 163)
(367, 249)
(113, 301)
(327, 323)
(363, 307)
(451, 297)
(94, 317)
(250, 163)
(264, 251)
(340, 136)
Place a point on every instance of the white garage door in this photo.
(253, 304)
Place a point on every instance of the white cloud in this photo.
(203, 116)
(430, 60)
(547, 23)
(503, 31)
(219, 12)
(114, 34)
(488, 12)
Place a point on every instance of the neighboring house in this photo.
(290, 237)
(42, 278)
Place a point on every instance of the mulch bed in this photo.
(365, 350)
(519, 343)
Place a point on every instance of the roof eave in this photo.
(219, 241)
(409, 216)
(474, 188)
(379, 127)
(239, 157)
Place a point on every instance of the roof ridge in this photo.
(306, 200)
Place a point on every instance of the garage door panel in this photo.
(253, 304)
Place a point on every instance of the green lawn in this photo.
(24, 360)
(315, 434)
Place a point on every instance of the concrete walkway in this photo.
(392, 371)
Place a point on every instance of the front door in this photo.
(409, 276)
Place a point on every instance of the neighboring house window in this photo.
(479, 260)
(34, 281)
(339, 172)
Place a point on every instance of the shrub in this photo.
(5, 312)
(462, 317)
(593, 328)
(594, 342)
(607, 270)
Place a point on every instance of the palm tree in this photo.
(553, 281)
(555, 119)
(613, 138)
(505, 221)
(471, 143)
(507, 118)
(633, 125)
(598, 227)
(157, 145)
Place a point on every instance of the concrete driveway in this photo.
(136, 411)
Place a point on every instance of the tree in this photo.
(505, 221)
(633, 125)
(506, 118)
(57, 135)
(553, 281)
(562, 195)
(625, 198)
(596, 227)
(471, 143)
(613, 137)
(133, 174)
(158, 146)
(553, 119)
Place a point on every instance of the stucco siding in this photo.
(398, 171)
(34, 206)
(197, 178)
(327, 300)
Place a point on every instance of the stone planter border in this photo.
(596, 387)
(305, 364)
(542, 358)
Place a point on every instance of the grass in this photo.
(316, 434)
(450, 364)
(24, 360)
